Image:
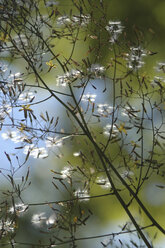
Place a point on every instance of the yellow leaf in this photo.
(122, 129)
(22, 128)
(93, 37)
(26, 107)
(134, 144)
(50, 63)
(4, 37)
(75, 219)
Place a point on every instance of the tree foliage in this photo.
(112, 117)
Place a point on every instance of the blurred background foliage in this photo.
(144, 17)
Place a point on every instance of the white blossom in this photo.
(135, 63)
(15, 75)
(15, 78)
(63, 80)
(26, 96)
(107, 130)
(161, 67)
(51, 220)
(82, 194)
(157, 81)
(53, 141)
(12, 135)
(51, 3)
(81, 20)
(63, 20)
(115, 29)
(97, 70)
(135, 58)
(127, 174)
(35, 152)
(75, 74)
(3, 67)
(137, 52)
(104, 109)
(89, 97)
(66, 172)
(18, 208)
(39, 219)
(103, 182)
(76, 154)
(21, 40)
(131, 112)
(5, 109)
(6, 227)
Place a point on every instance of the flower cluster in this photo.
(89, 97)
(82, 20)
(6, 227)
(68, 77)
(35, 152)
(33, 149)
(161, 67)
(66, 172)
(63, 20)
(76, 154)
(3, 68)
(53, 141)
(135, 58)
(157, 81)
(11, 85)
(82, 194)
(103, 182)
(115, 29)
(15, 79)
(12, 79)
(107, 130)
(130, 112)
(104, 109)
(5, 109)
(96, 70)
(18, 208)
(51, 3)
(14, 136)
(41, 219)
(26, 96)
(21, 40)
(127, 174)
